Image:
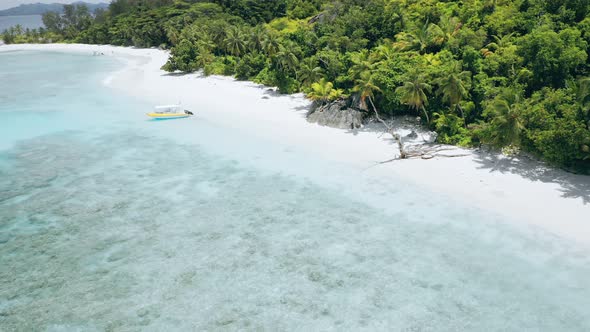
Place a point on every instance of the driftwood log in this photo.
(424, 151)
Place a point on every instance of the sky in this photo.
(4, 4)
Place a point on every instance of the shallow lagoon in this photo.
(109, 221)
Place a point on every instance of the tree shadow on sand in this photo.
(179, 74)
(570, 185)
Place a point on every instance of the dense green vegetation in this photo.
(506, 73)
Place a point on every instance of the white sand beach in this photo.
(523, 190)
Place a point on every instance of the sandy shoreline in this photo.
(526, 191)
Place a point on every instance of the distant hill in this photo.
(41, 8)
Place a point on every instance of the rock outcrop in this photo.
(318, 18)
(337, 114)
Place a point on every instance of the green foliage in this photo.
(182, 58)
(298, 9)
(583, 95)
(553, 56)
(364, 86)
(556, 127)
(414, 93)
(285, 83)
(235, 41)
(75, 19)
(309, 71)
(504, 116)
(451, 129)
(217, 67)
(18, 35)
(250, 65)
(454, 87)
(323, 92)
(503, 73)
(284, 25)
(266, 76)
(255, 11)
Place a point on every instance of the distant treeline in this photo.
(510, 74)
(42, 8)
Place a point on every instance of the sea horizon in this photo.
(26, 21)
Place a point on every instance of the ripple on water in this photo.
(119, 232)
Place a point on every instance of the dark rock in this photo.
(413, 134)
(337, 114)
(319, 17)
(356, 102)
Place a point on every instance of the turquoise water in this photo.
(112, 222)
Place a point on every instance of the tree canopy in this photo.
(502, 73)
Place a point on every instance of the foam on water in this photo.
(110, 222)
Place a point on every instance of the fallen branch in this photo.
(423, 156)
(397, 137)
(414, 152)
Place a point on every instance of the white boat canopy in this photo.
(167, 107)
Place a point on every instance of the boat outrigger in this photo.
(169, 112)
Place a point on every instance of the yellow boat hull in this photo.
(168, 115)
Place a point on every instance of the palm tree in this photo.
(453, 88)
(234, 41)
(323, 92)
(384, 52)
(499, 43)
(447, 29)
(218, 31)
(204, 58)
(365, 87)
(418, 38)
(285, 58)
(361, 62)
(257, 36)
(309, 71)
(205, 42)
(270, 44)
(18, 29)
(172, 33)
(413, 93)
(505, 125)
(411, 40)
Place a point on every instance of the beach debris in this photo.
(415, 150)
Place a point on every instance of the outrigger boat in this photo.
(169, 112)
